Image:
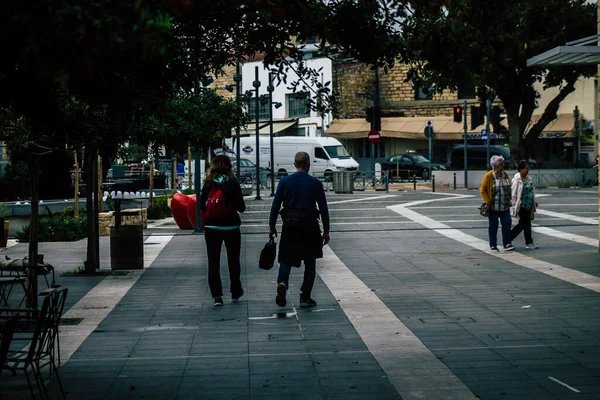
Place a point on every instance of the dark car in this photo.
(248, 170)
(404, 166)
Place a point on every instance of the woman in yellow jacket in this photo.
(496, 193)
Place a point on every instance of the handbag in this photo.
(484, 210)
(267, 255)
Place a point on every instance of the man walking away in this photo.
(301, 238)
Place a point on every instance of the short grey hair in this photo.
(496, 160)
(302, 160)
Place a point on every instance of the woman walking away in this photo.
(496, 194)
(221, 200)
(524, 205)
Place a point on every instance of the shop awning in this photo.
(401, 128)
(278, 126)
(577, 52)
(444, 127)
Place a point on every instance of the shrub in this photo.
(59, 227)
(160, 207)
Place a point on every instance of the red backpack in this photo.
(216, 206)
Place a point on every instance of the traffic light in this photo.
(495, 119)
(477, 117)
(374, 117)
(458, 112)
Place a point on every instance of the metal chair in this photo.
(6, 335)
(40, 330)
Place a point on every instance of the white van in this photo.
(326, 154)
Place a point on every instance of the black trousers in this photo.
(524, 225)
(214, 239)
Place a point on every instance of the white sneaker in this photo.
(531, 246)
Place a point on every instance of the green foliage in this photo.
(12, 185)
(160, 209)
(3, 212)
(59, 227)
(485, 44)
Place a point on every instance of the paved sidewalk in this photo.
(497, 328)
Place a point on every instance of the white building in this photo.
(292, 116)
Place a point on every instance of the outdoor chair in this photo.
(6, 334)
(39, 329)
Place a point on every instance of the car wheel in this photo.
(281, 173)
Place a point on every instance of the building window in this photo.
(298, 105)
(263, 110)
(423, 93)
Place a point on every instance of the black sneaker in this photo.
(218, 302)
(509, 247)
(494, 248)
(235, 298)
(307, 302)
(280, 299)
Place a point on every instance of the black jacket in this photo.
(233, 197)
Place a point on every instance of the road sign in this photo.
(484, 134)
(374, 137)
(429, 131)
(429, 122)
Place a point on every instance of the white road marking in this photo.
(361, 199)
(403, 357)
(102, 299)
(565, 235)
(9, 243)
(583, 220)
(564, 384)
(568, 275)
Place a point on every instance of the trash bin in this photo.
(126, 243)
(343, 182)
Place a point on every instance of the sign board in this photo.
(429, 131)
(568, 144)
(429, 122)
(484, 134)
(247, 149)
(374, 137)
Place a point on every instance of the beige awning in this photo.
(444, 127)
(278, 126)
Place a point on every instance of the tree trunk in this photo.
(93, 252)
(549, 115)
(514, 131)
(32, 275)
(189, 167)
(76, 186)
(151, 183)
(100, 175)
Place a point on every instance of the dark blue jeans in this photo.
(505, 220)
(310, 273)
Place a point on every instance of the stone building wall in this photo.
(397, 97)
(222, 80)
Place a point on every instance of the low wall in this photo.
(541, 178)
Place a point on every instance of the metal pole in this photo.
(256, 84)
(430, 156)
(465, 141)
(488, 106)
(270, 90)
(197, 191)
(455, 181)
(237, 79)
(433, 183)
(322, 111)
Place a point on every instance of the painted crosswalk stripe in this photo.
(401, 355)
(568, 275)
(565, 235)
(583, 220)
(102, 299)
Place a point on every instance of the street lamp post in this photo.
(256, 85)
(237, 78)
(577, 137)
(270, 89)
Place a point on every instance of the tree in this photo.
(486, 43)
(94, 72)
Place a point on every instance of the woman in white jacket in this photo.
(524, 205)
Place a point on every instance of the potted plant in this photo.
(4, 225)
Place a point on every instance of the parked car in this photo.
(248, 169)
(404, 166)
(477, 157)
